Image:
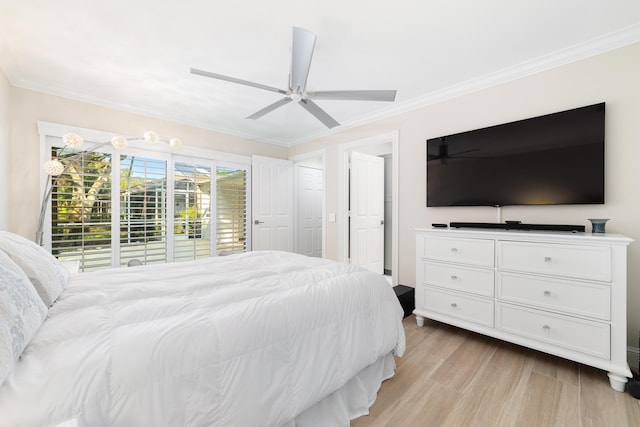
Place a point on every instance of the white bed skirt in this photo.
(351, 401)
(340, 407)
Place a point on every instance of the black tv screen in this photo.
(547, 160)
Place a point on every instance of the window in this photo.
(143, 210)
(231, 212)
(192, 207)
(161, 208)
(81, 209)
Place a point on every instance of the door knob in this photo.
(382, 222)
(256, 222)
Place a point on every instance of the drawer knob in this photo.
(454, 305)
(547, 259)
(454, 250)
(546, 328)
(454, 277)
(547, 293)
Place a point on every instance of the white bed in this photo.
(254, 339)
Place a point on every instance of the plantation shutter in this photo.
(143, 210)
(231, 210)
(81, 209)
(137, 207)
(192, 208)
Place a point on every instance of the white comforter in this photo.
(246, 340)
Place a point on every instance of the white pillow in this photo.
(48, 276)
(21, 314)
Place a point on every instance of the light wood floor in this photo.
(452, 377)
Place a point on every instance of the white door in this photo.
(309, 210)
(272, 204)
(366, 206)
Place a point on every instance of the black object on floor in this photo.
(406, 296)
(633, 387)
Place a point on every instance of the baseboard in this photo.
(632, 358)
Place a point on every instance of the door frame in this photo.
(343, 195)
(322, 153)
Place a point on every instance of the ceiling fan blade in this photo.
(269, 108)
(301, 52)
(355, 95)
(319, 113)
(238, 81)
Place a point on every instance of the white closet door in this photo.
(309, 210)
(272, 204)
(366, 195)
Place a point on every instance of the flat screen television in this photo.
(547, 160)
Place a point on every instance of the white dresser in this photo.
(558, 292)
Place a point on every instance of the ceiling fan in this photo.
(302, 47)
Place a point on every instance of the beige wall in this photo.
(28, 107)
(5, 95)
(611, 77)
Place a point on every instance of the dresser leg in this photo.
(419, 320)
(617, 382)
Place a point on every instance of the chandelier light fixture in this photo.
(74, 141)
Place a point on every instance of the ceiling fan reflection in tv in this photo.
(444, 155)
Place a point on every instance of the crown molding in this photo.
(611, 41)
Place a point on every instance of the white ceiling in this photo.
(136, 55)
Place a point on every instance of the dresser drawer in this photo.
(451, 276)
(464, 307)
(574, 334)
(575, 261)
(466, 251)
(570, 297)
